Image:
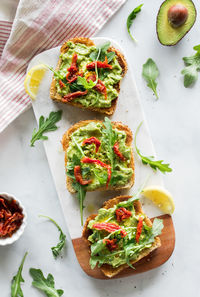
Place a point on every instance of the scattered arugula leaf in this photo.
(16, 290)
(81, 193)
(46, 125)
(47, 285)
(150, 72)
(130, 19)
(56, 250)
(150, 160)
(192, 63)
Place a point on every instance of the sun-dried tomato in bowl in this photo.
(11, 217)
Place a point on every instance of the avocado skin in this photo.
(157, 21)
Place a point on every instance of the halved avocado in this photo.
(175, 18)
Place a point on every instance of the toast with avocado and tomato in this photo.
(120, 235)
(98, 156)
(88, 76)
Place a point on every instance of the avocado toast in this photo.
(120, 235)
(87, 76)
(98, 156)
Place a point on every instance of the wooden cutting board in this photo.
(153, 260)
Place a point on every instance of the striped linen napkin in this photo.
(38, 26)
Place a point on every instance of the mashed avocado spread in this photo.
(109, 77)
(107, 137)
(120, 246)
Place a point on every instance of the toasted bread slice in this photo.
(107, 269)
(57, 97)
(117, 125)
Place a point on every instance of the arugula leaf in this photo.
(109, 138)
(56, 73)
(76, 87)
(150, 160)
(16, 290)
(83, 82)
(81, 193)
(150, 72)
(61, 244)
(192, 63)
(47, 285)
(46, 125)
(131, 17)
(101, 52)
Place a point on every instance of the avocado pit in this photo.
(177, 15)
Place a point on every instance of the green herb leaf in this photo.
(150, 72)
(150, 160)
(81, 193)
(46, 285)
(83, 82)
(16, 290)
(46, 125)
(192, 63)
(101, 52)
(56, 73)
(110, 139)
(56, 250)
(131, 17)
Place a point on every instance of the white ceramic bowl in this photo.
(16, 235)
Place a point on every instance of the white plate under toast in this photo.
(128, 111)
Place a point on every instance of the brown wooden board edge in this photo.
(153, 260)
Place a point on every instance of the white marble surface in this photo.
(174, 124)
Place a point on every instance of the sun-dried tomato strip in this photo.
(79, 178)
(139, 229)
(117, 151)
(111, 243)
(71, 75)
(109, 227)
(69, 97)
(94, 140)
(122, 213)
(61, 83)
(99, 64)
(100, 87)
(102, 164)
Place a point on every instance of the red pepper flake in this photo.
(117, 151)
(110, 243)
(109, 227)
(79, 178)
(10, 217)
(94, 140)
(122, 213)
(61, 83)
(139, 229)
(98, 162)
(99, 64)
(69, 97)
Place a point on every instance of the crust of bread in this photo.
(107, 269)
(57, 97)
(117, 125)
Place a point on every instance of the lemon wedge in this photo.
(33, 79)
(160, 197)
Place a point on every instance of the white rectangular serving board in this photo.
(128, 111)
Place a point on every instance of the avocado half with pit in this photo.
(175, 18)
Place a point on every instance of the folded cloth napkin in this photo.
(38, 26)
